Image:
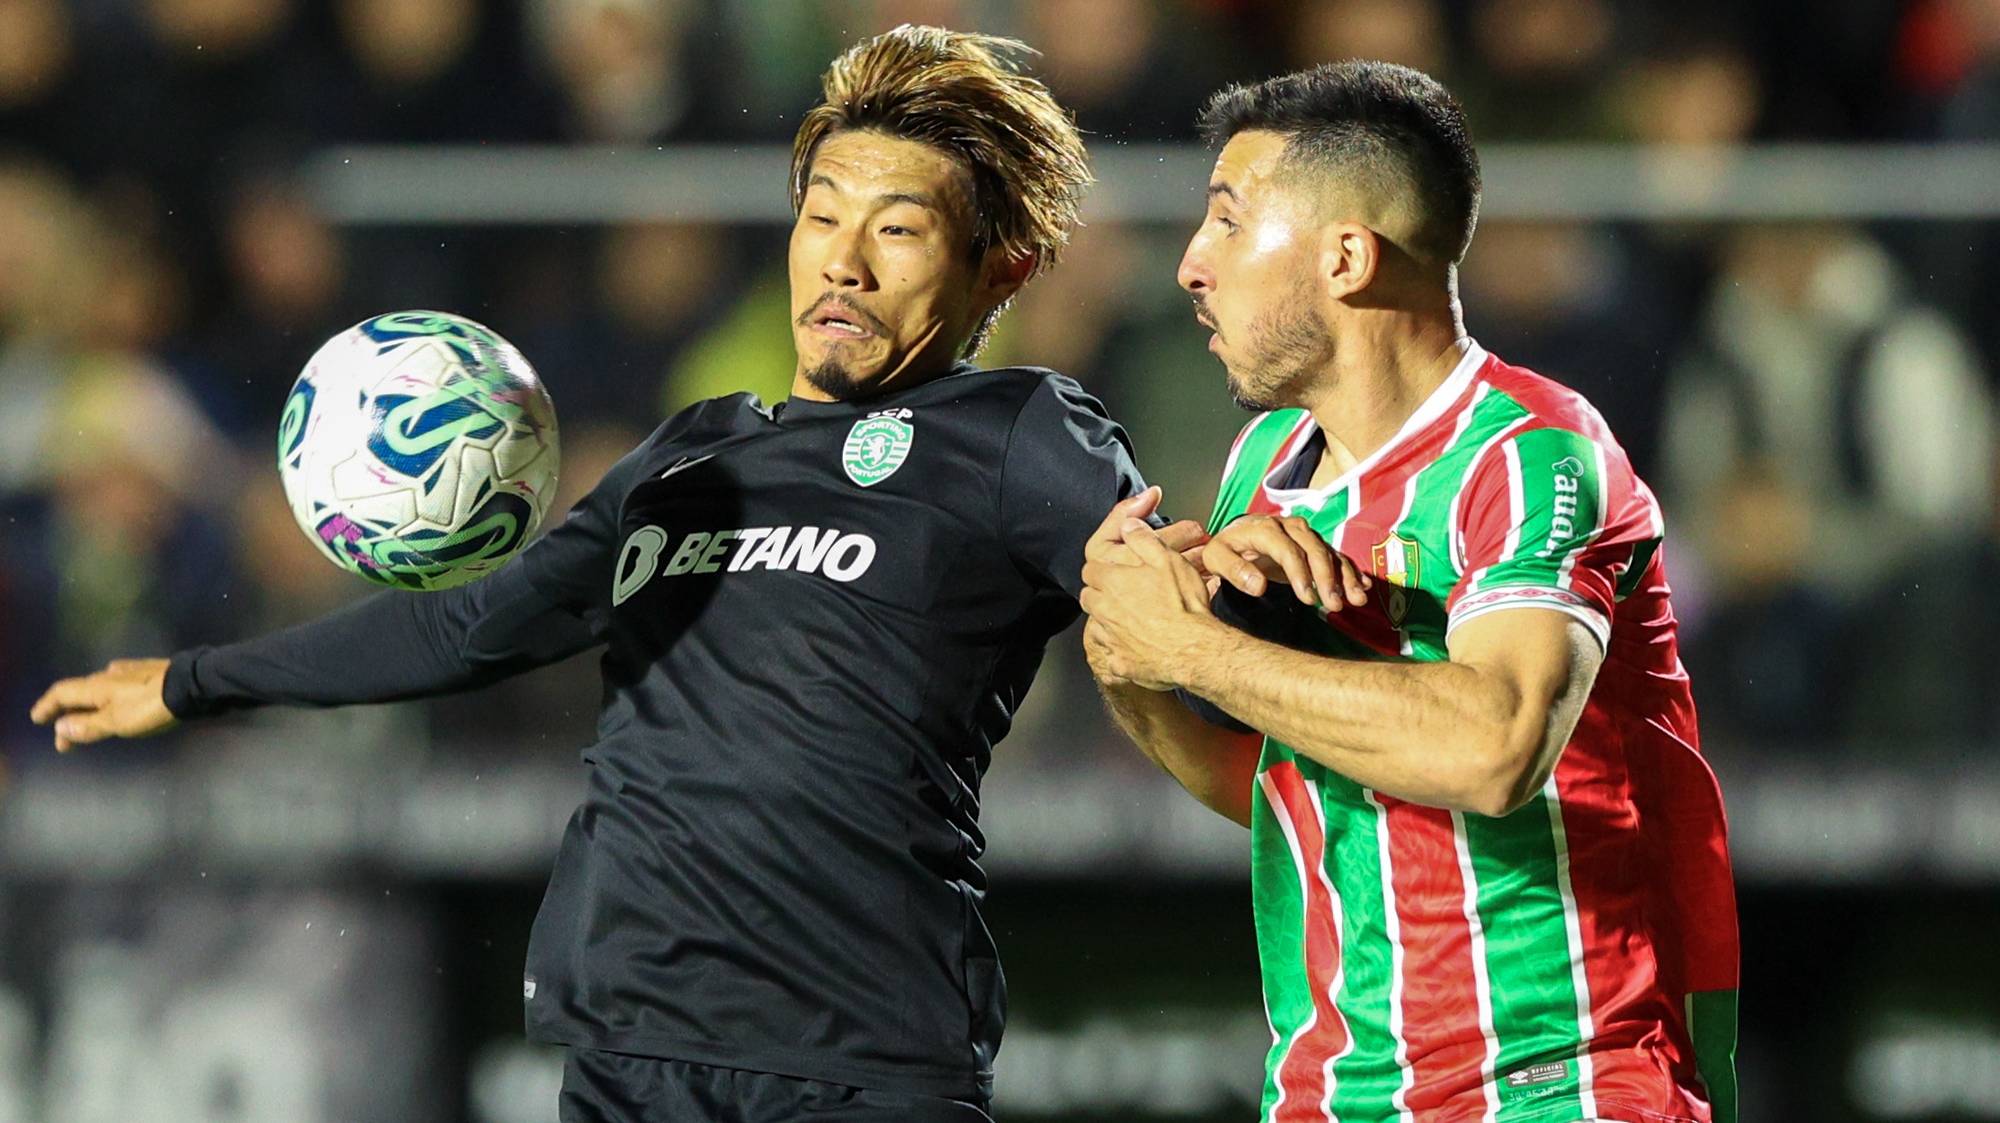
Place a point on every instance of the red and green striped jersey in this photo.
(1577, 959)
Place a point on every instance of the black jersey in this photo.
(819, 619)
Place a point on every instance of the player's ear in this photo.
(1350, 254)
(1002, 274)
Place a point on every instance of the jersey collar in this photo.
(1426, 415)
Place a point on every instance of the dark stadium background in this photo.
(1772, 217)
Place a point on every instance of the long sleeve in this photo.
(545, 605)
(1066, 463)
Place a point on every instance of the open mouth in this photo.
(835, 324)
(837, 319)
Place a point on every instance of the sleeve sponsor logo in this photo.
(1568, 473)
(825, 551)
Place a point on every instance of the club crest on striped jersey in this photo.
(1399, 562)
(877, 446)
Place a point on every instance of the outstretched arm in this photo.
(390, 647)
(545, 605)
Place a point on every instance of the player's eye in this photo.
(820, 219)
(897, 231)
(1228, 223)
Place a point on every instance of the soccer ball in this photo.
(418, 450)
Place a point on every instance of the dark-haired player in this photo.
(819, 617)
(1490, 867)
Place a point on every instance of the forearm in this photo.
(1217, 766)
(1442, 734)
(390, 647)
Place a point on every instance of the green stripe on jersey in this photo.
(1712, 1024)
(1367, 1079)
(1562, 503)
(1428, 521)
(1527, 955)
(1281, 924)
(1239, 485)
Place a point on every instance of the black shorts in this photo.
(601, 1087)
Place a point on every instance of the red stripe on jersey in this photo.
(1554, 404)
(1302, 1075)
(1380, 484)
(1630, 912)
(1445, 1044)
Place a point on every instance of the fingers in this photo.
(1354, 580)
(1291, 555)
(80, 729)
(1250, 552)
(1182, 536)
(1145, 542)
(87, 693)
(1220, 560)
(1320, 560)
(1132, 507)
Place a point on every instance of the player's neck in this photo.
(1379, 379)
(908, 376)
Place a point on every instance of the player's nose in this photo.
(1194, 274)
(846, 266)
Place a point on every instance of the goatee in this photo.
(835, 381)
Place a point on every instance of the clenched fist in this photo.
(125, 699)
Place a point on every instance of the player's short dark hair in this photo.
(1389, 127)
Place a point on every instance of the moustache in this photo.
(1201, 315)
(848, 311)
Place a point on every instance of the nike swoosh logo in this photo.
(685, 464)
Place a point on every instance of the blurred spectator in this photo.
(659, 285)
(1112, 63)
(1410, 32)
(120, 553)
(1869, 406)
(1767, 646)
(219, 29)
(286, 281)
(34, 50)
(636, 70)
(1571, 302)
(1538, 68)
(1824, 435)
(1951, 55)
(749, 347)
(436, 71)
(1692, 90)
(1932, 666)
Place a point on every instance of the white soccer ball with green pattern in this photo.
(418, 450)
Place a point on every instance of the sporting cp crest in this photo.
(877, 446)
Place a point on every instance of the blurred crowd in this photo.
(1814, 402)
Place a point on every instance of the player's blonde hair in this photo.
(962, 93)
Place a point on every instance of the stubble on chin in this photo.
(1283, 352)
